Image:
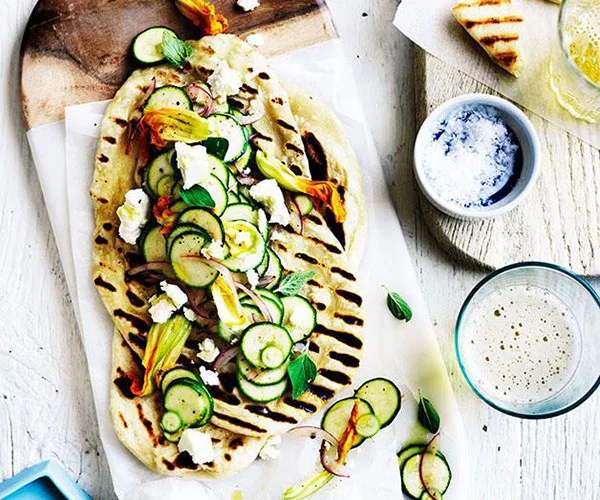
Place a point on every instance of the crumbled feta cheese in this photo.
(189, 314)
(208, 376)
(215, 250)
(271, 448)
(248, 5)
(192, 162)
(253, 278)
(198, 445)
(320, 296)
(269, 195)
(300, 347)
(247, 171)
(176, 294)
(224, 81)
(255, 39)
(208, 351)
(263, 224)
(162, 309)
(133, 215)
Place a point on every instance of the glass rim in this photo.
(530, 264)
(566, 53)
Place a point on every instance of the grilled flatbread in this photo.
(496, 26)
(308, 138)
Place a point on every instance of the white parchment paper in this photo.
(405, 352)
(430, 24)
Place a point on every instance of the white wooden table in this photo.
(46, 408)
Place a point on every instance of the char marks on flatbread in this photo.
(496, 25)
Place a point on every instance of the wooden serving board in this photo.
(560, 220)
(77, 51)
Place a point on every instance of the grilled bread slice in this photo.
(496, 25)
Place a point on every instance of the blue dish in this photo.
(46, 480)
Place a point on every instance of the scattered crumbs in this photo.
(364, 14)
(498, 448)
(484, 428)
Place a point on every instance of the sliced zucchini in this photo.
(153, 245)
(147, 46)
(218, 169)
(299, 317)
(156, 169)
(274, 269)
(184, 228)
(193, 272)
(191, 401)
(408, 451)
(228, 127)
(384, 396)
(261, 377)
(222, 108)
(367, 425)
(337, 417)
(435, 495)
(175, 374)
(218, 192)
(241, 211)
(273, 306)
(268, 294)
(233, 198)
(260, 341)
(242, 163)
(168, 96)
(304, 203)
(263, 265)
(440, 475)
(246, 244)
(204, 219)
(171, 422)
(173, 437)
(261, 393)
(179, 207)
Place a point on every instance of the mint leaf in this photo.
(428, 415)
(197, 196)
(398, 307)
(176, 51)
(216, 146)
(292, 283)
(302, 372)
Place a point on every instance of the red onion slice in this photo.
(330, 460)
(426, 464)
(295, 215)
(161, 267)
(260, 303)
(225, 357)
(194, 90)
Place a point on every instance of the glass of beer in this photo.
(575, 64)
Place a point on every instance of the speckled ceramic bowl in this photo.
(526, 135)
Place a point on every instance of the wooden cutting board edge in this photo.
(548, 225)
(43, 103)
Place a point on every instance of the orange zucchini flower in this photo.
(325, 191)
(203, 15)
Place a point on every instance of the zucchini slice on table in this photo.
(337, 417)
(168, 96)
(439, 476)
(147, 46)
(261, 393)
(192, 271)
(384, 396)
(266, 345)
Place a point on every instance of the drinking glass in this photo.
(581, 299)
(575, 63)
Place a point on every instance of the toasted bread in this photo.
(496, 25)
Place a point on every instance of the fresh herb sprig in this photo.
(197, 196)
(292, 283)
(302, 372)
(428, 415)
(398, 306)
(176, 50)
